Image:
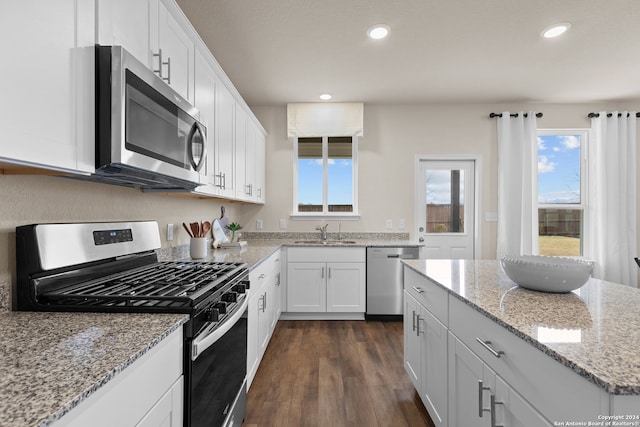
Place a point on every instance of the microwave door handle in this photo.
(195, 129)
(203, 342)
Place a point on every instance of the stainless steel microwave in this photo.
(147, 135)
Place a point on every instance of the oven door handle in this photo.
(201, 343)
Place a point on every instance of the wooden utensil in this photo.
(206, 226)
(187, 229)
(195, 229)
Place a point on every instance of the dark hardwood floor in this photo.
(334, 373)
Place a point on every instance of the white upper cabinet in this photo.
(127, 24)
(47, 85)
(242, 186)
(225, 141)
(173, 51)
(205, 101)
(151, 31)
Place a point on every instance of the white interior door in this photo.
(445, 203)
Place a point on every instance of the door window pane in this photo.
(445, 201)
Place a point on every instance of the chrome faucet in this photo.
(323, 231)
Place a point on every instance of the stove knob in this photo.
(221, 307)
(246, 283)
(230, 296)
(240, 288)
(212, 315)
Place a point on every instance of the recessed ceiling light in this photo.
(556, 30)
(325, 96)
(378, 32)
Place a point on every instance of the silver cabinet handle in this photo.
(261, 276)
(322, 274)
(168, 63)
(249, 190)
(494, 402)
(414, 321)
(265, 302)
(418, 290)
(329, 272)
(481, 389)
(160, 64)
(487, 345)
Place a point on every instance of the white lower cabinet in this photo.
(326, 280)
(425, 356)
(264, 310)
(479, 397)
(147, 393)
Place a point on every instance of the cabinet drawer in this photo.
(430, 295)
(553, 389)
(261, 273)
(331, 254)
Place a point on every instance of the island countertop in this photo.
(594, 330)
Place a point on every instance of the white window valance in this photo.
(325, 119)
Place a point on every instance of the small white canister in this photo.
(198, 247)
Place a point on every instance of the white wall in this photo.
(393, 136)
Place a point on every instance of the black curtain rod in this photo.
(492, 115)
(592, 115)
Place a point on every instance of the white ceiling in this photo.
(439, 51)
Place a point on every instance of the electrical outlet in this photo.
(258, 224)
(283, 224)
(491, 216)
(389, 224)
(169, 232)
(401, 224)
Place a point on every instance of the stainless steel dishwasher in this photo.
(384, 281)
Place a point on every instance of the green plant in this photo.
(233, 227)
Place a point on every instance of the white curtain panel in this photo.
(611, 234)
(517, 185)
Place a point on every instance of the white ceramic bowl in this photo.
(547, 274)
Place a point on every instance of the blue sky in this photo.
(439, 187)
(558, 169)
(339, 180)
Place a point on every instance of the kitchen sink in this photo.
(324, 242)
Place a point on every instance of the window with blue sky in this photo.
(325, 160)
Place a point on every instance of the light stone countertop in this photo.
(50, 362)
(595, 329)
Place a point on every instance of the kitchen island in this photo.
(583, 343)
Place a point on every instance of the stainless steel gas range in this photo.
(114, 267)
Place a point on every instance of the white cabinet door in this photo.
(168, 412)
(434, 358)
(242, 189)
(127, 24)
(253, 358)
(260, 168)
(250, 161)
(204, 100)
(276, 298)
(513, 411)
(412, 343)
(47, 85)
(346, 291)
(176, 50)
(466, 371)
(306, 287)
(265, 310)
(224, 141)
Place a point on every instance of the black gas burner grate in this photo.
(166, 286)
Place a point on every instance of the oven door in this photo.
(216, 389)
